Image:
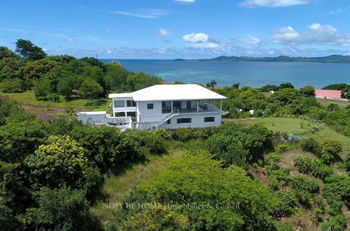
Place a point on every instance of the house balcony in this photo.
(202, 107)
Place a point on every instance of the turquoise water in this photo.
(255, 74)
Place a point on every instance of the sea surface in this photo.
(254, 74)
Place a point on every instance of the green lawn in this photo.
(28, 97)
(303, 128)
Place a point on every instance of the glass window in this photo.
(130, 103)
(166, 107)
(184, 120)
(150, 106)
(168, 121)
(119, 103)
(209, 119)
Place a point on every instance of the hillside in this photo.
(326, 59)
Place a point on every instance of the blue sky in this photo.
(178, 28)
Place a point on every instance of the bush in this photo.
(42, 88)
(287, 203)
(12, 85)
(337, 223)
(90, 89)
(183, 134)
(305, 189)
(281, 148)
(311, 145)
(280, 177)
(314, 167)
(330, 151)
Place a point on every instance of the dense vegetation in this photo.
(52, 77)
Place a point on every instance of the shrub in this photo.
(287, 203)
(305, 188)
(12, 85)
(330, 150)
(90, 89)
(314, 167)
(311, 145)
(279, 177)
(337, 223)
(281, 148)
(183, 134)
(42, 88)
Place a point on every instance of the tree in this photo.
(67, 84)
(7, 53)
(211, 84)
(61, 209)
(90, 89)
(15, 85)
(28, 50)
(18, 139)
(62, 161)
(42, 88)
(106, 147)
(286, 85)
(221, 199)
(307, 91)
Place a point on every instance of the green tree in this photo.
(106, 147)
(42, 88)
(28, 50)
(62, 161)
(67, 84)
(61, 209)
(223, 199)
(211, 84)
(15, 85)
(307, 91)
(90, 89)
(7, 53)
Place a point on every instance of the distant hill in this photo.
(326, 59)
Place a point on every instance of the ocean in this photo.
(254, 74)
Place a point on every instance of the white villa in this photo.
(165, 106)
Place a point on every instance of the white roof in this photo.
(163, 92)
(92, 113)
(120, 95)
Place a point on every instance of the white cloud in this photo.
(272, 3)
(249, 40)
(199, 40)
(185, 1)
(144, 13)
(285, 35)
(164, 32)
(315, 34)
(71, 39)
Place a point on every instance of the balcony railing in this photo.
(202, 107)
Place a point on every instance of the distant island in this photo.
(326, 59)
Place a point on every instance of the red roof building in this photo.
(328, 94)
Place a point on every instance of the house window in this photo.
(150, 106)
(209, 119)
(184, 120)
(168, 121)
(166, 107)
(130, 103)
(119, 103)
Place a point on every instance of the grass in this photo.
(117, 187)
(28, 97)
(303, 128)
(326, 102)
